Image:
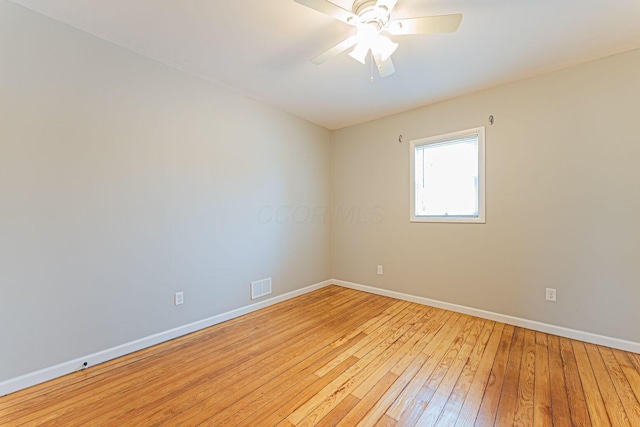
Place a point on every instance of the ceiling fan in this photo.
(372, 18)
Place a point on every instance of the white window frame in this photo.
(481, 176)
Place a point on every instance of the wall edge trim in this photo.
(37, 377)
(43, 375)
(575, 334)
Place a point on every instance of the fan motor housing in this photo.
(360, 5)
(370, 14)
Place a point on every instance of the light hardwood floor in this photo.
(342, 357)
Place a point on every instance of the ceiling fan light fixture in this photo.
(369, 38)
(371, 18)
(359, 53)
(385, 47)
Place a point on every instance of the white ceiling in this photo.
(262, 47)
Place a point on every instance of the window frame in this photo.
(438, 139)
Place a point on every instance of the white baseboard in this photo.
(43, 375)
(33, 378)
(516, 321)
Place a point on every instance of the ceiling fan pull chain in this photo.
(371, 62)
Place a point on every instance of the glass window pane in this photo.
(446, 178)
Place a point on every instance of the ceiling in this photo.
(262, 48)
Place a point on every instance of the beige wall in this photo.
(123, 181)
(563, 202)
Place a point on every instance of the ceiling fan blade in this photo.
(425, 25)
(336, 50)
(389, 4)
(385, 68)
(330, 9)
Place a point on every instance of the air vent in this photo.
(260, 288)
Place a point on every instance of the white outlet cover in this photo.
(380, 270)
(551, 294)
(178, 298)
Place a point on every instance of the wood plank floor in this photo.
(339, 357)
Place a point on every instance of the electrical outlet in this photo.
(380, 270)
(551, 294)
(178, 298)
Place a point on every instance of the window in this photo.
(447, 177)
